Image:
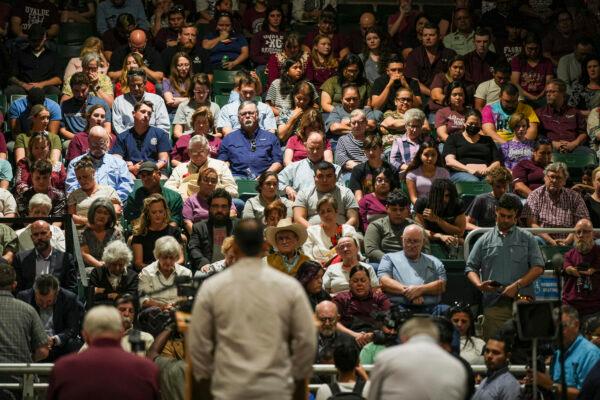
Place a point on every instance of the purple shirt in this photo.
(195, 209)
(564, 124)
(422, 182)
(585, 301)
(514, 151)
(370, 208)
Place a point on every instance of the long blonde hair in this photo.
(330, 61)
(123, 78)
(140, 228)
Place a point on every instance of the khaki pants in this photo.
(495, 316)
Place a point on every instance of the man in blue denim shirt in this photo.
(250, 150)
(503, 264)
(580, 357)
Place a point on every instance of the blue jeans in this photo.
(464, 177)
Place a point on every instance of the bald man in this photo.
(413, 280)
(44, 259)
(356, 37)
(328, 317)
(138, 43)
(110, 170)
(582, 271)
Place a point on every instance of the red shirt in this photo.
(352, 308)
(564, 124)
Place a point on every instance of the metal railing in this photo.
(479, 231)
(29, 372)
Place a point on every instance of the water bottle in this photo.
(224, 60)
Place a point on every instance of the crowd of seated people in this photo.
(355, 146)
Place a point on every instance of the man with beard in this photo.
(554, 206)
(44, 259)
(495, 116)
(208, 235)
(250, 150)
(499, 383)
(187, 43)
(581, 288)
(504, 263)
(327, 318)
(110, 170)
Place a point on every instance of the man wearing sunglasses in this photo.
(250, 150)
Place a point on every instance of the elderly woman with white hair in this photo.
(101, 229)
(115, 277)
(184, 177)
(161, 274)
(337, 276)
(405, 147)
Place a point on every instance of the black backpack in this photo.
(355, 394)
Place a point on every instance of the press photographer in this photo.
(391, 321)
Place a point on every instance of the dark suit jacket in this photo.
(66, 316)
(99, 279)
(200, 247)
(104, 371)
(62, 266)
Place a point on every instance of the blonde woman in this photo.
(152, 225)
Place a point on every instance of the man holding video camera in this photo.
(503, 265)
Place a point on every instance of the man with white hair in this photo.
(184, 177)
(110, 170)
(395, 375)
(105, 367)
(412, 279)
(349, 151)
(40, 206)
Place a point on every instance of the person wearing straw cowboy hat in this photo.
(286, 238)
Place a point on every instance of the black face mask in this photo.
(472, 130)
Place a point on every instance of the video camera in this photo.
(392, 319)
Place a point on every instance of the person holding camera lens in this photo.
(504, 263)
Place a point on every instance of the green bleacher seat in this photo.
(223, 81)
(467, 191)
(575, 162)
(221, 99)
(246, 188)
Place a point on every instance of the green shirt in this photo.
(22, 142)
(333, 88)
(368, 353)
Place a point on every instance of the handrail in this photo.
(475, 232)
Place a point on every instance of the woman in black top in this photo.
(310, 275)
(152, 225)
(442, 213)
(469, 155)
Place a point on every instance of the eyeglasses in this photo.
(253, 145)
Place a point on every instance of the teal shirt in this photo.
(368, 353)
(504, 259)
(580, 357)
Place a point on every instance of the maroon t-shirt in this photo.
(532, 79)
(32, 12)
(252, 20)
(454, 121)
(575, 290)
(531, 174)
(180, 149)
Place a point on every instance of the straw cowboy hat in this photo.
(286, 224)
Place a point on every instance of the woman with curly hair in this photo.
(303, 97)
(152, 224)
(279, 95)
